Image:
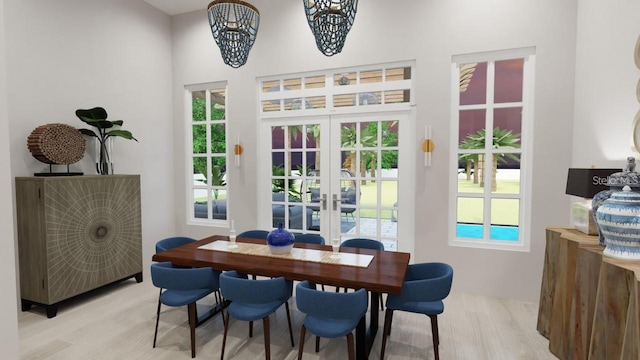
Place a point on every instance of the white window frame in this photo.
(208, 187)
(525, 151)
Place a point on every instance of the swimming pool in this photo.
(497, 232)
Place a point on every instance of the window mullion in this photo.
(488, 163)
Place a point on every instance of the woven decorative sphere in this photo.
(58, 144)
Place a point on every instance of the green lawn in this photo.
(504, 211)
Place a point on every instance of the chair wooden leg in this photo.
(350, 346)
(267, 338)
(286, 305)
(435, 335)
(155, 335)
(191, 309)
(388, 316)
(381, 303)
(303, 331)
(225, 320)
(317, 343)
(250, 328)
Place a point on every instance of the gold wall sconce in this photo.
(427, 145)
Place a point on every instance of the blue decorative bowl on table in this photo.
(280, 240)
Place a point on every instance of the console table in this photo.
(589, 303)
(75, 234)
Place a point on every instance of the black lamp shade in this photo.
(586, 183)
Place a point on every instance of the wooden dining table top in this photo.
(384, 274)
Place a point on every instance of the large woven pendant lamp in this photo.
(234, 25)
(330, 22)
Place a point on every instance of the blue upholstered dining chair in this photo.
(255, 234)
(425, 286)
(364, 243)
(254, 300)
(183, 286)
(309, 238)
(329, 314)
(172, 242)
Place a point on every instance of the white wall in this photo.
(429, 32)
(8, 296)
(606, 79)
(71, 54)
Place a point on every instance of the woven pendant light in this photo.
(330, 22)
(234, 26)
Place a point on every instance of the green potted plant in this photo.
(104, 135)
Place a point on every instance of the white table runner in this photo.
(320, 256)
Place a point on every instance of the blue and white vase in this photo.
(619, 223)
(616, 181)
(280, 240)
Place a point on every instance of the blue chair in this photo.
(425, 286)
(172, 242)
(309, 239)
(364, 243)
(183, 286)
(255, 234)
(254, 300)
(329, 314)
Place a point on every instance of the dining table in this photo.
(374, 270)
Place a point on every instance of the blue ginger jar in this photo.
(627, 177)
(619, 223)
(280, 240)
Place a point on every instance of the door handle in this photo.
(323, 200)
(335, 202)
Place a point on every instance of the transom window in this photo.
(492, 102)
(317, 93)
(208, 161)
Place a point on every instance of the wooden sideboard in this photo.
(589, 303)
(75, 234)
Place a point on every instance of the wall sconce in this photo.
(237, 150)
(427, 145)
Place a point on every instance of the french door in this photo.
(340, 176)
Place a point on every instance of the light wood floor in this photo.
(118, 323)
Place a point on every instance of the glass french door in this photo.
(338, 176)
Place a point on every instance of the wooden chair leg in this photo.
(192, 326)
(350, 346)
(155, 335)
(388, 316)
(267, 338)
(435, 335)
(250, 328)
(286, 305)
(301, 348)
(225, 320)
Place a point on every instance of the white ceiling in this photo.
(175, 7)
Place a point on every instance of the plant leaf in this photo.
(122, 133)
(100, 124)
(88, 132)
(96, 113)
